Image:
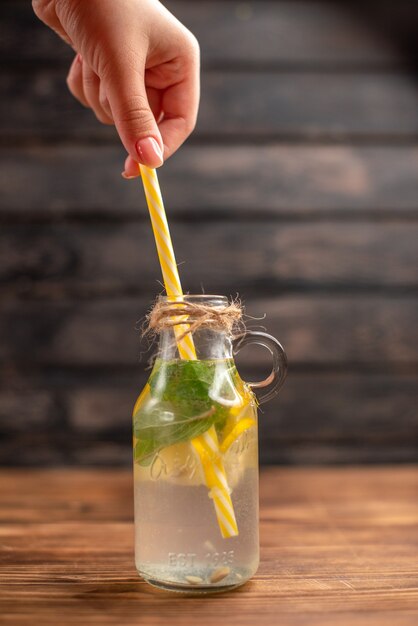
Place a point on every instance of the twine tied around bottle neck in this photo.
(165, 315)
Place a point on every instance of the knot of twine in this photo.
(169, 314)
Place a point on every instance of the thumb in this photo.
(133, 117)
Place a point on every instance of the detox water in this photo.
(178, 540)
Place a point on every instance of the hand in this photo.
(136, 66)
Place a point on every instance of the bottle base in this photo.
(194, 584)
(188, 589)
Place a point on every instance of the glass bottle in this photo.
(196, 461)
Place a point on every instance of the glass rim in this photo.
(194, 297)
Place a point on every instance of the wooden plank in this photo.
(69, 551)
(234, 105)
(372, 331)
(267, 180)
(24, 39)
(96, 258)
(290, 33)
(312, 105)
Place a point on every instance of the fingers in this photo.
(137, 110)
(180, 103)
(75, 80)
(94, 96)
(176, 113)
(154, 100)
(152, 118)
(174, 107)
(175, 110)
(86, 86)
(131, 168)
(135, 116)
(132, 114)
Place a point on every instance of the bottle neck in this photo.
(209, 344)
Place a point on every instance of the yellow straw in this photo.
(206, 445)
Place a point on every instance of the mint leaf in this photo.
(151, 439)
(144, 451)
(180, 406)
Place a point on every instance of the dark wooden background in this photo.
(299, 190)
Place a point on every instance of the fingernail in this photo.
(79, 58)
(149, 152)
(127, 177)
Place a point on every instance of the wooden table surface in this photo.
(339, 546)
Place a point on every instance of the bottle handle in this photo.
(279, 370)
